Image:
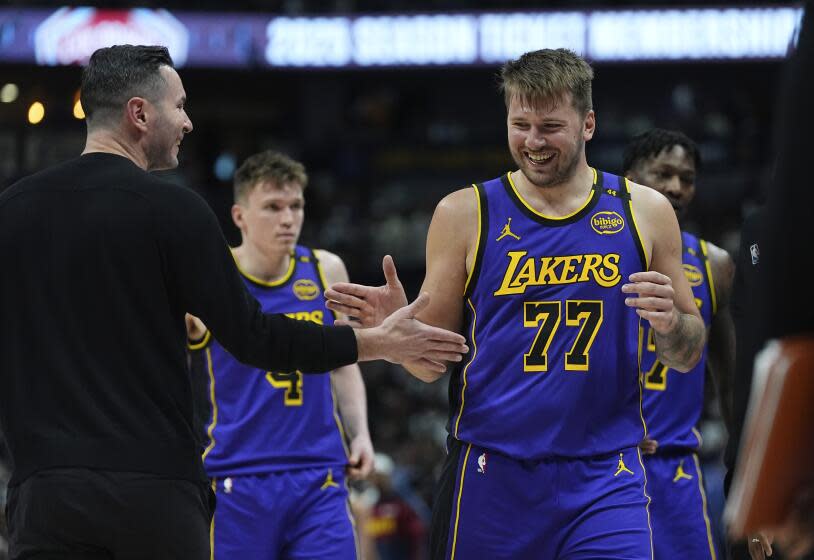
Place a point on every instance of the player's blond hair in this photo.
(270, 167)
(545, 76)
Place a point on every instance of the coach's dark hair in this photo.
(653, 142)
(116, 74)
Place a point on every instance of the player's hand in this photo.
(360, 463)
(402, 339)
(195, 328)
(760, 546)
(367, 306)
(652, 298)
(648, 446)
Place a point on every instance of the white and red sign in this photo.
(70, 35)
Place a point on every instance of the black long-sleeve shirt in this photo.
(99, 261)
(745, 318)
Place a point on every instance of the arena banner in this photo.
(69, 35)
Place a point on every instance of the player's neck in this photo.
(267, 267)
(561, 199)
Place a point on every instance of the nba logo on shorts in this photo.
(755, 251)
(482, 463)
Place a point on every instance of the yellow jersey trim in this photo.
(292, 262)
(202, 343)
(211, 428)
(649, 501)
(555, 218)
(354, 528)
(641, 376)
(477, 240)
(704, 506)
(466, 368)
(636, 231)
(710, 279)
(338, 419)
(321, 275)
(458, 505)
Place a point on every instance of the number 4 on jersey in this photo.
(291, 382)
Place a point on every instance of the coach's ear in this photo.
(136, 113)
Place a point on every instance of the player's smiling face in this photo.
(271, 217)
(547, 140)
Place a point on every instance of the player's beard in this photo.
(564, 171)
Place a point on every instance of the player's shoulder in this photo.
(646, 195)
(649, 204)
(721, 264)
(333, 267)
(714, 252)
(327, 258)
(459, 204)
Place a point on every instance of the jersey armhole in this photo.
(634, 228)
(321, 275)
(710, 280)
(480, 247)
(200, 344)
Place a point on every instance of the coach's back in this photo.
(84, 290)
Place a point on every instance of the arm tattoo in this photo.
(681, 347)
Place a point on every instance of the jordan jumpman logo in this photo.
(329, 481)
(680, 473)
(621, 467)
(507, 231)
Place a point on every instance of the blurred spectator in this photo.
(391, 523)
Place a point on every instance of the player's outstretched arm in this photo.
(662, 294)
(721, 340)
(349, 387)
(451, 246)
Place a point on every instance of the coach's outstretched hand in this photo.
(367, 306)
(402, 339)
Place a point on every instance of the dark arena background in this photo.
(391, 105)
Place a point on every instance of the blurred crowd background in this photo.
(382, 146)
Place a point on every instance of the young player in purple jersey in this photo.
(275, 442)
(668, 161)
(547, 270)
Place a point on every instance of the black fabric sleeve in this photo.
(782, 298)
(745, 318)
(202, 276)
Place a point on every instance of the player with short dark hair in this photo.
(101, 260)
(668, 161)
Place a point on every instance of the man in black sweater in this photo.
(100, 262)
